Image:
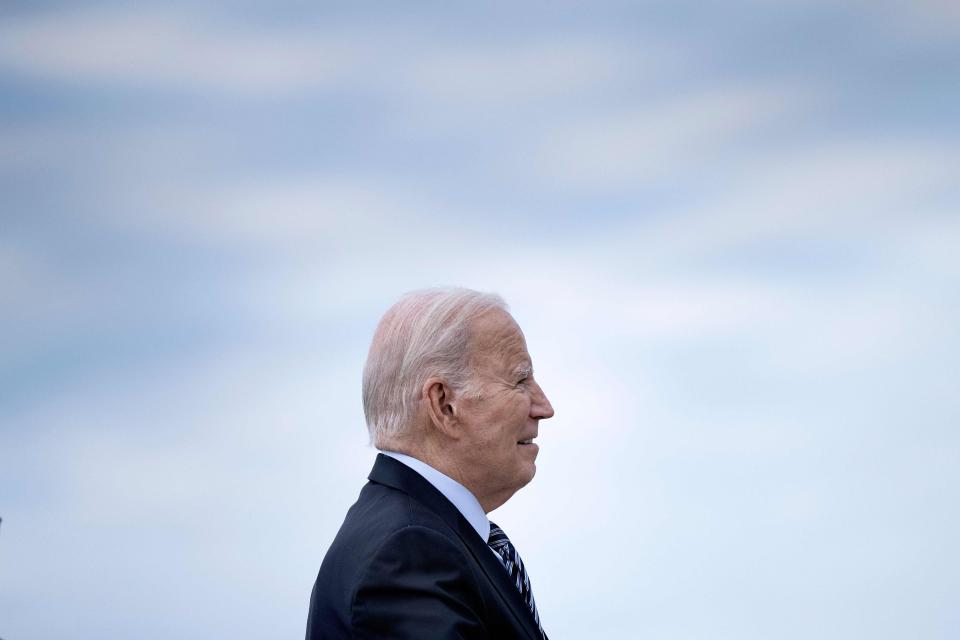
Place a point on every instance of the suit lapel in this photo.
(394, 473)
(498, 575)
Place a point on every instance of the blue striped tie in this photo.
(500, 543)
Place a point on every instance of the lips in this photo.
(527, 440)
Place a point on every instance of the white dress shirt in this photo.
(465, 502)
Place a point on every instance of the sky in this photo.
(729, 232)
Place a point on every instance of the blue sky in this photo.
(729, 231)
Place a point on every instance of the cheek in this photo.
(498, 429)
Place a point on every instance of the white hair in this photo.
(425, 334)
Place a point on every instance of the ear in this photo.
(439, 400)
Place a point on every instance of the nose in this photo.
(540, 407)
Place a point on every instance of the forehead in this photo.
(496, 335)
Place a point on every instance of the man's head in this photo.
(449, 380)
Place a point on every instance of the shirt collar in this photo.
(465, 502)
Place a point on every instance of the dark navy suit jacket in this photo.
(407, 564)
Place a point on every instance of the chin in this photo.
(529, 474)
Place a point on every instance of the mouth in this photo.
(527, 441)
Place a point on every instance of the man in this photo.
(451, 403)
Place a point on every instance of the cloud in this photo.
(510, 73)
(654, 142)
(166, 50)
(855, 190)
(172, 50)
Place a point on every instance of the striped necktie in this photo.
(500, 543)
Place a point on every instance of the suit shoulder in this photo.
(385, 531)
(390, 520)
(382, 510)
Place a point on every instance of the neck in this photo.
(432, 456)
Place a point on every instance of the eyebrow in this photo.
(523, 371)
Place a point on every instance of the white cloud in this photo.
(860, 191)
(40, 299)
(307, 208)
(166, 50)
(645, 144)
(416, 69)
(516, 73)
